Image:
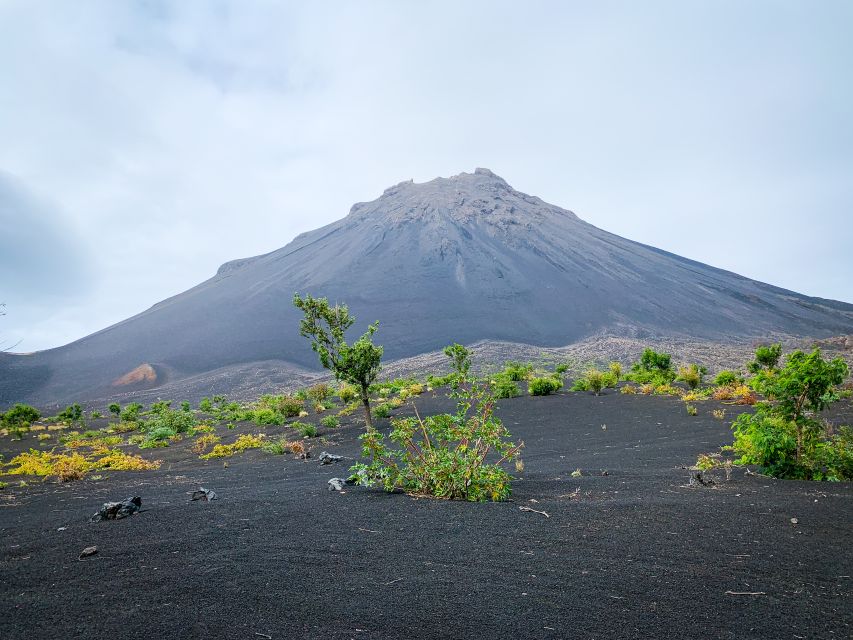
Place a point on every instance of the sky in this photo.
(143, 144)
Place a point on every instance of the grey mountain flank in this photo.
(465, 259)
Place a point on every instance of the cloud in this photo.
(175, 136)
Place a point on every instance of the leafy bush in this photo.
(205, 405)
(347, 393)
(628, 389)
(766, 358)
(383, 410)
(652, 368)
(319, 392)
(285, 406)
(727, 378)
(115, 409)
(692, 375)
(173, 420)
(691, 409)
(305, 429)
(460, 358)
(131, 412)
(517, 371)
(610, 379)
(616, 369)
(785, 439)
(444, 455)
(266, 416)
(243, 443)
(330, 422)
(503, 388)
(202, 443)
(561, 369)
(580, 385)
(19, 418)
(594, 381)
(70, 414)
(544, 386)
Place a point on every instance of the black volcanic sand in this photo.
(632, 554)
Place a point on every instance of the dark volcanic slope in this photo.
(462, 258)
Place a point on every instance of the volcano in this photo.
(463, 259)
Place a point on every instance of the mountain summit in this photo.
(464, 258)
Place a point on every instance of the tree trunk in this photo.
(365, 399)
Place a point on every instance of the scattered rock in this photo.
(794, 521)
(328, 458)
(697, 479)
(337, 484)
(204, 494)
(604, 472)
(118, 510)
(88, 551)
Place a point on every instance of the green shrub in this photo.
(266, 416)
(319, 392)
(580, 385)
(544, 386)
(652, 368)
(766, 358)
(561, 369)
(173, 420)
(517, 371)
(115, 409)
(305, 429)
(785, 439)
(609, 379)
(285, 406)
(20, 414)
(441, 381)
(691, 409)
(616, 370)
(330, 422)
(383, 410)
(727, 378)
(71, 414)
(205, 405)
(692, 375)
(161, 406)
(504, 388)
(347, 393)
(444, 455)
(131, 412)
(595, 381)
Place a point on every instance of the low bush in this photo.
(595, 381)
(131, 412)
(692, 375)
(330, 422)
(615, 368)
(382, 410)
(204, 442)
(727, 378)
(691, 409)
(74, 466)
(516, 371)
(444, 456)
(503, 388)
(305, 429)
(20, 415)
(628, 389)
(243, 443)
(544, 386)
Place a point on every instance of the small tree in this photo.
(692, 375)
(460, 357)
(358, 363)
(115, 409)
(766, 358)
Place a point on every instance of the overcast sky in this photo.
(142, 144)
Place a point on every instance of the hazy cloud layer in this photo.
(169, 137)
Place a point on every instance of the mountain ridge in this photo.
(464, 258)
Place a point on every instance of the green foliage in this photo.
(358, 363)
(441, 381)
(460, 358)
(692, 375)
(164, 424)
(330, 422)
(185, 406)
(691, 409)
(594, 381)
(96, 415)
(205, 405)
(561, 369)
(766, 358)
(305, 429)
(285, 406)
(652, 368)
(517, 371)
(319, 392)
(19, 415)
(444, 455)
(785, 438)
(727, 378)
(71, 414)
(579, 385)
(544, 386)
(616, 370)
(266, 416)
(131, 412)
(504, 388)
(347, 393)
(610, 379)
(383, 410)
(115, 409)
